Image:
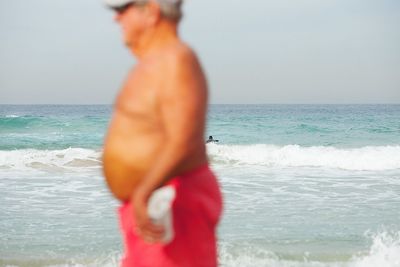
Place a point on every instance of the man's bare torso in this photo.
(137, 131)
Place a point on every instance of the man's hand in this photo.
(144, 227)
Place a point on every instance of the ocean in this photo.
(303, 185)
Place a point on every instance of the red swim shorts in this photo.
(196, 211)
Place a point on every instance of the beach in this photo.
(303, 185)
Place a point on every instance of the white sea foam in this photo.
(367, 158)
(50, 160)
(112, 260)
(384, 252)
(11, 116)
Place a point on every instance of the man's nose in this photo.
(117, 17)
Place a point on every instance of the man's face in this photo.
(133, 23)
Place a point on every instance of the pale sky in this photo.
(253, 51)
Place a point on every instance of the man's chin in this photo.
(127, 43)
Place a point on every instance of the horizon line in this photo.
(98, 104)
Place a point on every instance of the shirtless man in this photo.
(155, 138)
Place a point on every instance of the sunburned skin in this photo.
(161, 106)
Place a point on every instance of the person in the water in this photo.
(211, 140)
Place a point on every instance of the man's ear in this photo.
(154, 12)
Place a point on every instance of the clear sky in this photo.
(253, 51)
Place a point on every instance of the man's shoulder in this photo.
(180, 54)
(174, 57)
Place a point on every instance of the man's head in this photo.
(170, 9)
(139, 18)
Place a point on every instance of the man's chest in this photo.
(139, 95)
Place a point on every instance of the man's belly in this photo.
(126, 159)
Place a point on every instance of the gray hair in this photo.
(170, 9)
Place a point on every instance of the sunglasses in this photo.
(122, 9)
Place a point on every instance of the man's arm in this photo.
(182, 106)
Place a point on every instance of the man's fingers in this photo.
(153, 230)
(149, 227)
(151, 233)
(150, 240)
(150, 237)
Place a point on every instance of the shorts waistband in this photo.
(190, 173)
(197, 170)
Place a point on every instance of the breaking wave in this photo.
(50, 160)
(370, 158)
(384, 252)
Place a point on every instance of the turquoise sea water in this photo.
(304, 185)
